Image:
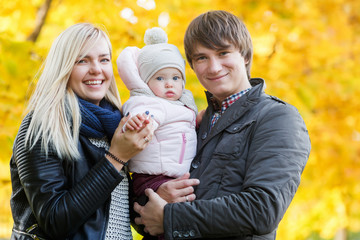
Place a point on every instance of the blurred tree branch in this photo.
(40, 20)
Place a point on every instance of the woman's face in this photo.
(91, 76)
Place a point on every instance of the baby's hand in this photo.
(137, 122)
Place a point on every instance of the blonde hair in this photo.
(56, 116)
(216, 30)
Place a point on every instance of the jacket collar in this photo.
(235, 111)
(257, 83)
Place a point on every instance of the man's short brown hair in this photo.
(215, 30)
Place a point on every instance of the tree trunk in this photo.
(40, 20)
(341, 234)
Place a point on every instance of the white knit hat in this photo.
(158, 54)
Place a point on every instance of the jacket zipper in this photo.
(182, 153)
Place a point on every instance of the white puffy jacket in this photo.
(173, 145)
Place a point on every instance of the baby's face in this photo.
(167, 83)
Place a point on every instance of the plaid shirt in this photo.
(225, 105)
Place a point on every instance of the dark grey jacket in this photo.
(57, 199)
(249, 167)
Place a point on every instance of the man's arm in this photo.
(277, 156)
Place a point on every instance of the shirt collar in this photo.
(227, 101)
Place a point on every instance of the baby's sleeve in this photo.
(128, 69)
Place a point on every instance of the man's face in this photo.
(222, 72)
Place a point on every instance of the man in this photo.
(252, 147)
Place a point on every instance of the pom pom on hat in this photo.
(158, 54)
(155, 35)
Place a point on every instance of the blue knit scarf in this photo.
(98, 121)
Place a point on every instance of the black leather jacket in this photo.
(57, 199)
(249, 167)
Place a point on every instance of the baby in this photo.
(155, 76)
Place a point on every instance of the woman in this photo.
(67, 166)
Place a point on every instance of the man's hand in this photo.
(178, 190)
(152, 214)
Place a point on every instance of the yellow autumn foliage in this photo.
(308, 51)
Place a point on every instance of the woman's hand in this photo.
(125, 145)
(178, 190)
